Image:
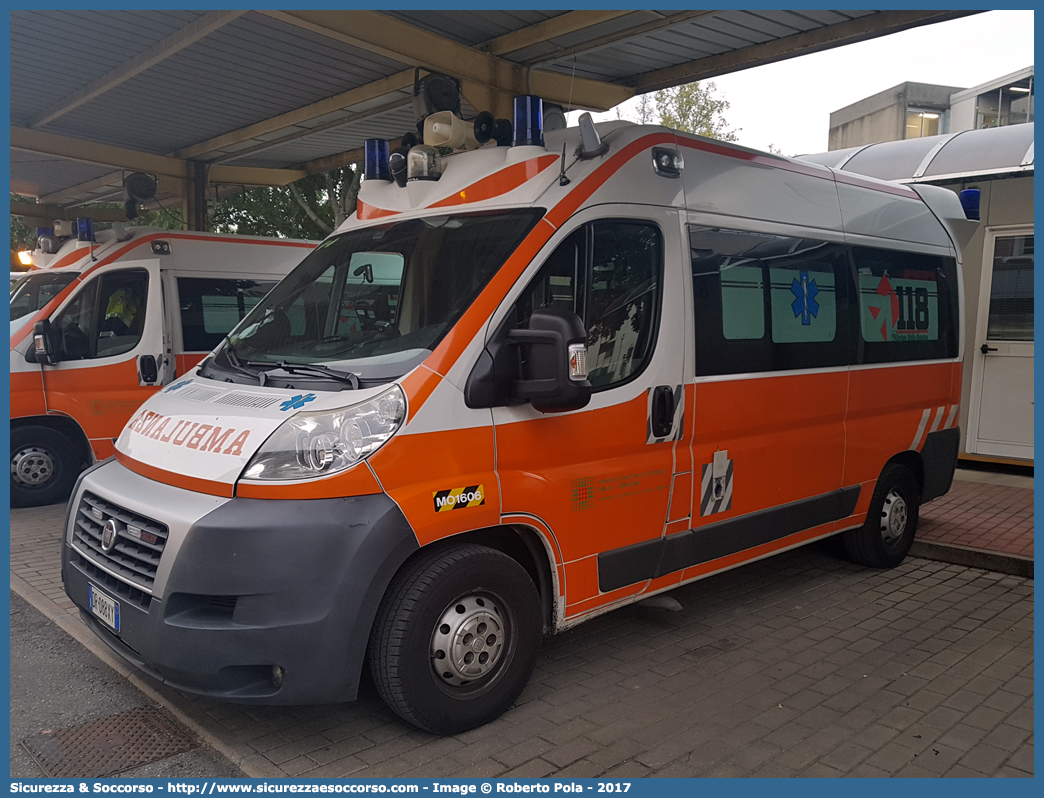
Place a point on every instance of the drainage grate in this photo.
(108, 746)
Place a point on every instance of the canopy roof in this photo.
(992, 152)
(265, 97)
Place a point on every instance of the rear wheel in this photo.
(456, 638)
(44, 466)
(885, 538)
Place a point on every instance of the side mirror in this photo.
(44, 348)
(554, 361)
(148, 371)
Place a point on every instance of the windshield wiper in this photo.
(235, 364)
(325, 371)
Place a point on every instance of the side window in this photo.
(907, 305)
(610, 274)
(768, 303)
(106, 318)
(210, 308)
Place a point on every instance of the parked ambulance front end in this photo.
(239, 543)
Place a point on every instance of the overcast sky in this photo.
(788, 103)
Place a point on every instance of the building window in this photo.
(922, 122)
(1011, 105)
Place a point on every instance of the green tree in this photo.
(694, 108)
(312, 207)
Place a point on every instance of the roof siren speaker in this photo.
(433, 93)
(499, 130)
(137, 187)
(443, 129)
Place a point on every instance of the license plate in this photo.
(103, 607)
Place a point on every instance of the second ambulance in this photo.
(526, 384)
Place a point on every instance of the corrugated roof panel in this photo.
(734, 33)
(301, 68)
(54, 53)
(474, 27)
(389, 125)
(36, 175)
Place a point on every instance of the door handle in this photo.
(662, 411)
(984, 349)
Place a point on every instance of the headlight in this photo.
(319, 444)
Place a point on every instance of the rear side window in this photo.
(609, 273)
(210, 308)
(768, 303)
(907, 305)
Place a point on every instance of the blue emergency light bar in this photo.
(970, 203)
(44, 231)
(375, 160)
(84, 229)
(529, 120)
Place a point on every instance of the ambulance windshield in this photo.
(375, 301)
(34, 291)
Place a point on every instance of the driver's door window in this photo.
(106, 318)
(608, 273)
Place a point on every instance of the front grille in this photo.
(139, 540)
(116, 588)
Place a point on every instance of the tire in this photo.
(444, 603)
(884, 540)
(44, 466)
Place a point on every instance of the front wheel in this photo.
(456, 638)
(884, 540)
(43, 466)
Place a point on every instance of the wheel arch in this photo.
(63, 425)
(914, 462)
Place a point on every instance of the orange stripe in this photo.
(572, 201)
(51, 306)
(176, 480)
(507, 179)
(418, 387)
(366, 212)
(464, 331)
(469, 325)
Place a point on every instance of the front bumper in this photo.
(243, 585)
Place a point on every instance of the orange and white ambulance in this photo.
(528, 385)
(104, 320)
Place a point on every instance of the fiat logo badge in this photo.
(108, 541)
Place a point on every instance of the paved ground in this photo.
(802, 664)
(44, 657)
(983, 515)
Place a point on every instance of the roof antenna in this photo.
(562, 179)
